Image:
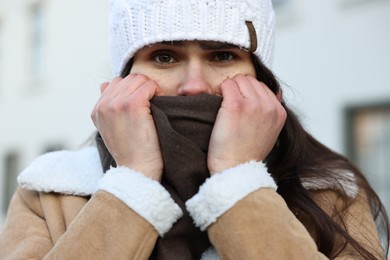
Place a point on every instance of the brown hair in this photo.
(296, 155)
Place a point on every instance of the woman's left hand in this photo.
(247, 125)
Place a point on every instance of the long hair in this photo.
(296, 155)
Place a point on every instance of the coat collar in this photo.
(78, 173)
(66, 172)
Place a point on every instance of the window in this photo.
(10, 182)
(368, 145)
(37, 41)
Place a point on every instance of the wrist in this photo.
(217, 166)
(151, 171)
(146, 197)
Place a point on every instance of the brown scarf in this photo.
(184, 126)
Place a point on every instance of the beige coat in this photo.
(50, 225)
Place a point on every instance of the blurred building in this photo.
(53, 56)
(333, 56)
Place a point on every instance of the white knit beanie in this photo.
(135, 24)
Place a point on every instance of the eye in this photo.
(163, 58)
(224, 57)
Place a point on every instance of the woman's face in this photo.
(191, 67)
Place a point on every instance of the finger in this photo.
(103, 86)
(147, 90)
(111, 86)
(259, 87)
(129, 86)
(279, 95)
(246, 86)
(266, 97)
(230, 91)
(106, 90)
(116, 85)
(270, 93)
(276, 101)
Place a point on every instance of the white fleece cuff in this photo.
(143, 195)
(223, 190)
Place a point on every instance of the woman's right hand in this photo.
(123, 118)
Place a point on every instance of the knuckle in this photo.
(93, 115)
(236, 105)
(282, 115)
(116, 106)
(262, 84)
(270, 109)
(98, 111)
(103, 86)
(101, 108)
(124, 105)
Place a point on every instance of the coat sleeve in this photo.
(259, 223)
(357, 220)
(104, 229)
(38, 225)
(262, 225)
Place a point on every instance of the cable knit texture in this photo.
(135, 24)
(145, 196)
(223, 190)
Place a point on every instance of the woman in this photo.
(187, 134)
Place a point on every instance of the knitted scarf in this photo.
(184, 126)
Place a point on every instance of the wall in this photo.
(39, 114)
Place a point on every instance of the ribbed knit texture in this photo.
(135, 24)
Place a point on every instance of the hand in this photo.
(123, 117)
(247, 125)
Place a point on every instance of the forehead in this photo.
(205, 45)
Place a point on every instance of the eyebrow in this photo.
(204, 45)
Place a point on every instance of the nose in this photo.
(195, 81)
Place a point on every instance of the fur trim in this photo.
(66, 172)
(145, 196)
(220, 192)
(80, 173)
(343, 181)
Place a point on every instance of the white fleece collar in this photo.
(78, 173)
(342, 181)
(66, 172)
